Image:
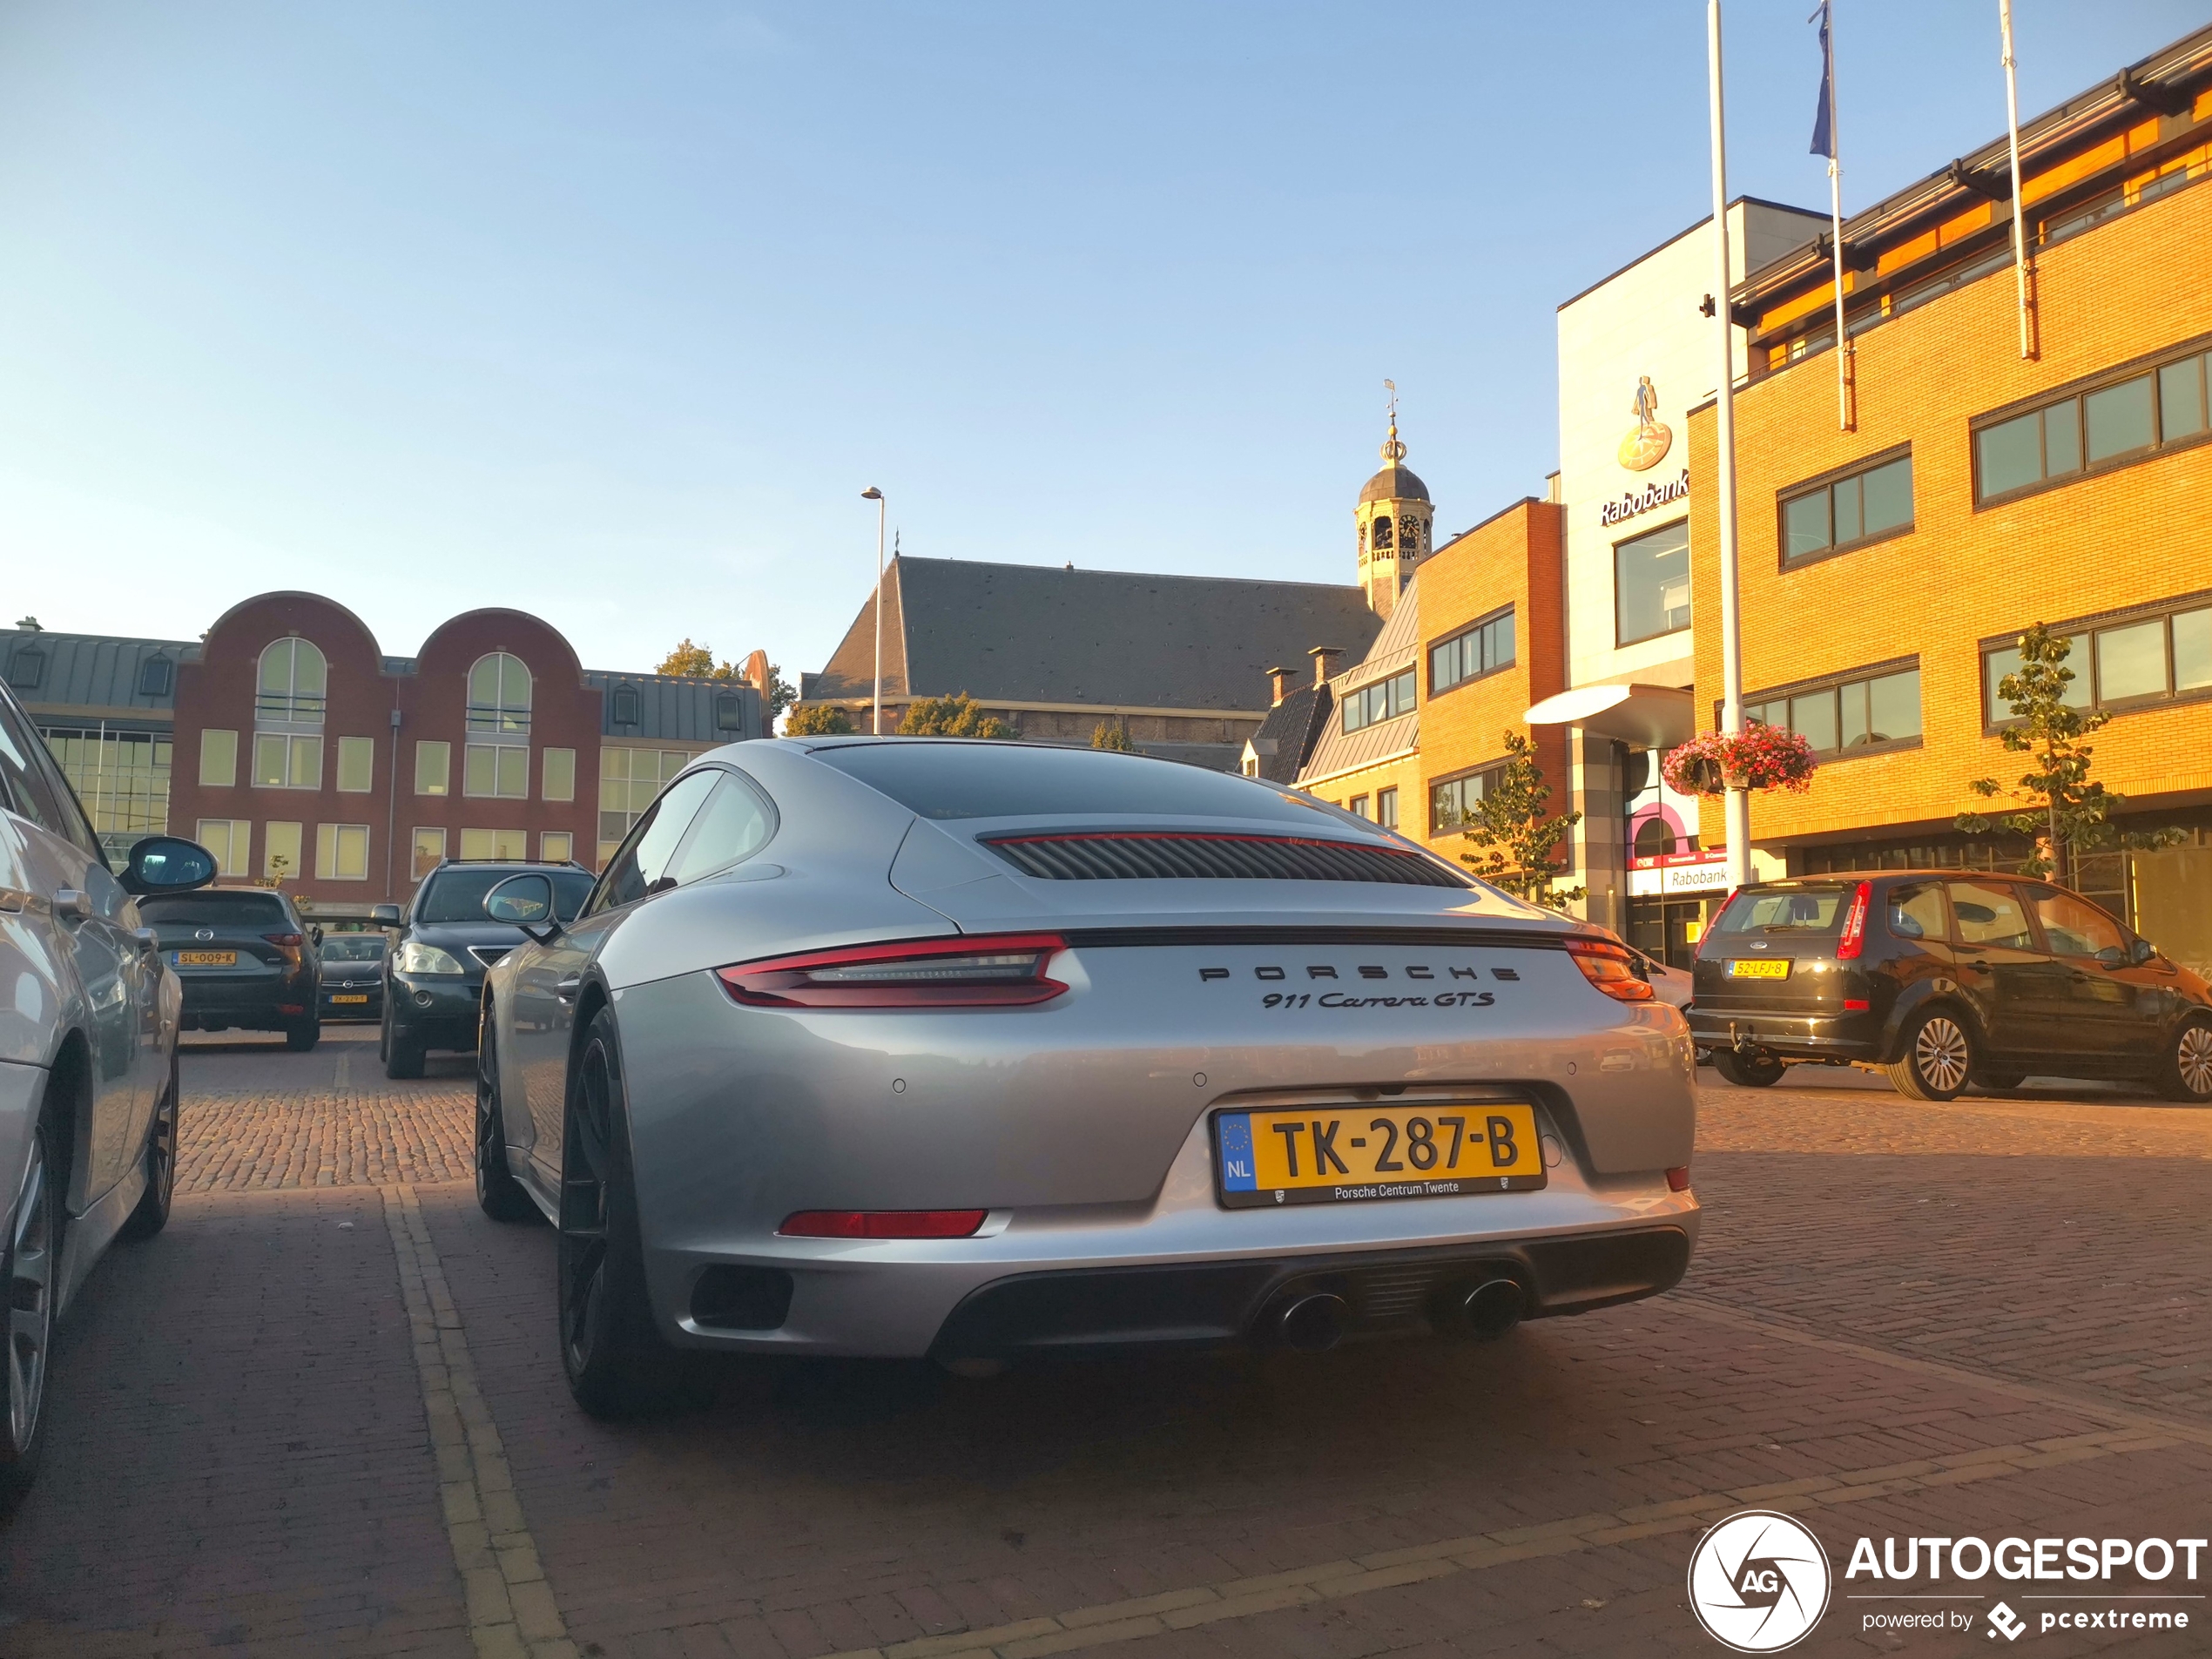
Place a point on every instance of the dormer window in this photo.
(625, 707)
(729, 711)
(154, 676)
(26, 668)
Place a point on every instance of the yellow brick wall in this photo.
(1512, 559)
(2138, 534)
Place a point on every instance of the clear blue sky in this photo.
(610, 312)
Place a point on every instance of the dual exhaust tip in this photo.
(1482, 1309)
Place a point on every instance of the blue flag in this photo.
(1823, 128)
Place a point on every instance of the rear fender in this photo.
(1946, 993)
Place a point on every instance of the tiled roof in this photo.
(1286, 737)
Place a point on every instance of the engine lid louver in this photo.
(1158, 855)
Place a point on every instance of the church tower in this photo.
(1393, 519)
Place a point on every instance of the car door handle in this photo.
(71, 905)
(566, 989)
(1977, 967)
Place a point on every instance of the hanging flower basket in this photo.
(1763, 756)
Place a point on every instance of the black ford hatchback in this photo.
(1944, 978)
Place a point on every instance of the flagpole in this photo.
(1738, 803)
(2012, 135)
(1843, 348)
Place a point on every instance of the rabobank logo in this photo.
(1758, 1581)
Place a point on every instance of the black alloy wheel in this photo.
(615, 1361)
(33, 1237)
(153, 1213)
(2186, 1073)
(1748, 1070)
(1938, 1060)
(499, 1195)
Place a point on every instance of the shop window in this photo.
(2131, 663)
(1651, 584)
(2115, 424)
(1482, 648)
(1848, 512)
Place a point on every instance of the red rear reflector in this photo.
(1608, 967)
(1678, 1180)
(882, 1224)
(987, 970)
(1853, 1005)
(1854, 937)
(290, 1007)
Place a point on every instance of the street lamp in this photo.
(876, 495)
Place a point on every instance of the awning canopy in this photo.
(1655, 716)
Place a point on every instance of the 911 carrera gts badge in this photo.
(1429, 989)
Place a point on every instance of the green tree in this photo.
(819, 720)
(778, 694)
(1111, 734)
(957, 716)
(693, 661)
(1518, 843)
(2056, 803)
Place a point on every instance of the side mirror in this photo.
(2140, 952)
(315, 934)
(385, 915)
(167, 864)
(524, 902)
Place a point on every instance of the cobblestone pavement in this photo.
(322, 1413)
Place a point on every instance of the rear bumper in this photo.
(249, 1004)
(1844, 1036)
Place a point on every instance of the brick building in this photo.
(1888, 569)
(288, 743)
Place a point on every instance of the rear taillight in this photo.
(290, 941)
(1854, 939)
(1678, 1180)
(882, 1224)
(993, 970)
(1608, 967)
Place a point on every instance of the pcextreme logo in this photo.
(1758, 1581)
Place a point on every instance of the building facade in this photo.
(286, 743)
(1888, 568)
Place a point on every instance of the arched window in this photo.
(499, 696)
(1382, 534)
(294, 683)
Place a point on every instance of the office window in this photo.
(499, 770)
(280, 852)
(560, 774)
(1855, 713)
(1357, 806)
(218, 758)
(1481, 647)
(1383, 700)
(356, 765)
(503, 844)
(294, 680)
(433, 768)
(555, 846)
(122, 777)
(1651, 584)
(341, 852)
(2129, 663)
(429, 848)
(1386, 808)
(2112, 425)
(1848, 512)
(628, 779)
(1452, 802)
(499, 695)
(231, 841)
(286, 761)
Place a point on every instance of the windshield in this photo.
(458, 895)
(216, 910)
(353, 947)
(941, 780)
(1792, 910)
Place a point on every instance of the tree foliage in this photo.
(779, 693)
(1111, 734)
(693, 661)
(2055, 801)
(819, 720)
(957, 716)
(1518, 843)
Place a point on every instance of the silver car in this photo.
(88, 1062)
(986, 1050)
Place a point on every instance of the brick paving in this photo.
(1986, 1317)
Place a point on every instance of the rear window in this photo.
(458, 895)
(942, 780)
(216, 910)
(353, 947)
(1799, 911)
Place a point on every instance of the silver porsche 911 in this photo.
(980, 1051)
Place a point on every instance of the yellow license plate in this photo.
(1327, 1154)
(1776, 967)
(207, 958)
(361, 997)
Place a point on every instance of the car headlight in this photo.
(418, 958)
